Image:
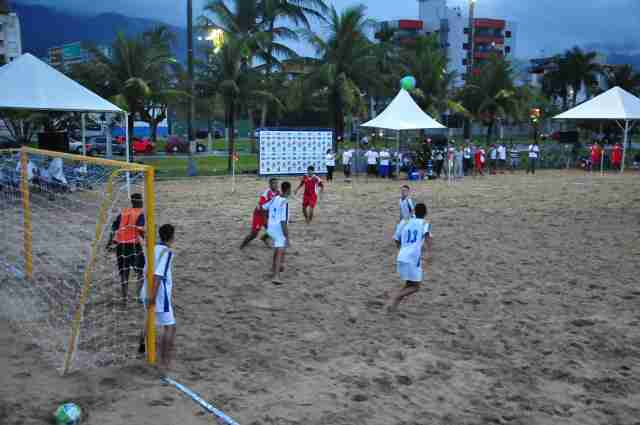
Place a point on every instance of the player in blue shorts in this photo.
(411, 239)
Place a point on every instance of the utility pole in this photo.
(470, 59)
(191, 170)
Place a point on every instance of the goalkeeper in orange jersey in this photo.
(127, 234)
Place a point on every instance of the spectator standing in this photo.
(372, 162)
(468, 159)
(347, 157)
(330, 162)
(478, 160)
(596, 156)
(438, 155)
(616, 156)
(493, 159)
(385, 163)
(534, 155)
(515, 157)
(459, 162)
(502, 157)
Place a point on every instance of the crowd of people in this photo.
(435, 161)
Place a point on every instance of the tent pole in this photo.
(128, 159)
(84, 135)
(602, 156)
(624, 146)
(397, 154)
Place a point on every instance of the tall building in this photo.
(451, 24)
(63, 57)
(10, 35)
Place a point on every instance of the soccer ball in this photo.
(67, 414)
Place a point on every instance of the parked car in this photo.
(177, 145)
(7, 143)
(75, 146)
(98, 145)
(143, 146)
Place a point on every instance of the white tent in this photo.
(615, 104)
(403, 114)
(27, 83)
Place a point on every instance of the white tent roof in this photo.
(614, 104)
(403, 114)
(29, 83)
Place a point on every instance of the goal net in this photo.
(60, 278)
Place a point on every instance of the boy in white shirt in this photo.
(347, 154)
(534, 155)
(407, 206)
(372, 162)
(385, 163)
(161, 297)
(278, 229)
(410, 239)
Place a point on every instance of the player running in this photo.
(278, 229)
(311, 183)
(260, 216)
(410, 239)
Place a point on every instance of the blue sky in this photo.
(544, 26)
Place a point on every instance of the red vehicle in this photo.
(177, 145)
(142, 146)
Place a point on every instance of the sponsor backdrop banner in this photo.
(291, 151)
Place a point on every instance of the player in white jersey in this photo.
(278, 229)
(411, 241)
(407, 207)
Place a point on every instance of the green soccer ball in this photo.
(67, 414)
(408, 83)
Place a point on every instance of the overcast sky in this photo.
(544, 26)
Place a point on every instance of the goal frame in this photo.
(119, 167)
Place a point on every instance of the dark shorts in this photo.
(130, 256)
(409, 284)
(372, 170)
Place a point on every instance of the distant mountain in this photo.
(45, 27)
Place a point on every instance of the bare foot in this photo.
(277, 281)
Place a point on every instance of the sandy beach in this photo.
(529, 313)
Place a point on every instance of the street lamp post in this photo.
(191, 170)
(470, 59)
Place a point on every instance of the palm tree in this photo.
(624, 77)
(555, 84)
(296, 12)
(581, 71)
(386, 65)
(135, 69)
(490, 94)
(346, 63)
(426, 61)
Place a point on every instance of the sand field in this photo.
(529, 313)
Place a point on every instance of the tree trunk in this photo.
(131, 127)
(489, 131)
(153, 131)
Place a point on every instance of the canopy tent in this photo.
(27, 83)
(403, 114)
(615, 104)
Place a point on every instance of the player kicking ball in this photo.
(410, 239)
(311, 184)
(260, 216)
(278, 229)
